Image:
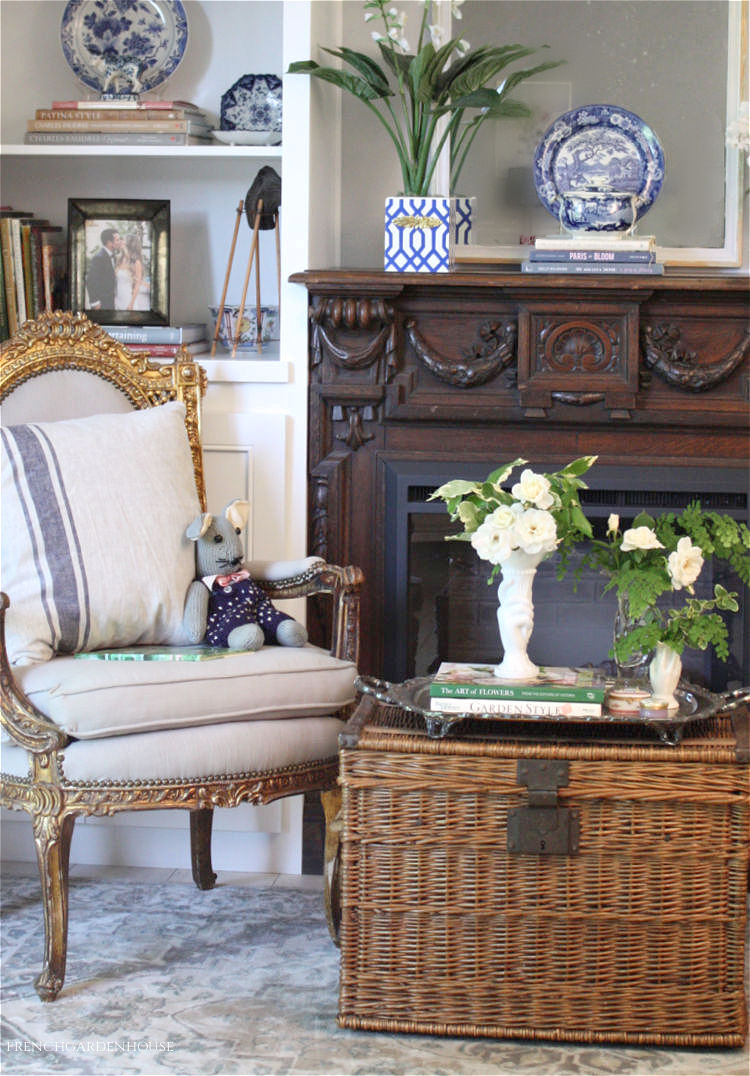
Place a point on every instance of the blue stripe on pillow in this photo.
(81, 599)
(47, 511)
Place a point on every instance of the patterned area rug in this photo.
(165, 979)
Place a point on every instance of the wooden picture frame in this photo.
(118, 259)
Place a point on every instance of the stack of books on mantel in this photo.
(119, 121)
(594, 253)
(463, 688)
(161, 341)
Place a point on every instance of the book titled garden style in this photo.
(517, 708)
(556, 684)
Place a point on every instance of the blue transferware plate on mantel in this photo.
(597, 148)
(254, 104)
(123, 46)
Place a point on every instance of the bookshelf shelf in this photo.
(210, 151)
(266, 371)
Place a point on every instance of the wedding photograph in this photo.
(119, 260)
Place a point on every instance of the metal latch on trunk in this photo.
(543, 827)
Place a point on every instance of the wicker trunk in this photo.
(617, 914)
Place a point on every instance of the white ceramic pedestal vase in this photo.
(515, 615)
(421, 234)
(664, 674)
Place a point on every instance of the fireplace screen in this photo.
(444, 609)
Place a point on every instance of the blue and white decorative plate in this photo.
(123, 46)
(598, 148)
(253, 103)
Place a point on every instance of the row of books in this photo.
(161, 341)
(118, 121)
(33, 268)
(463, 688)
(594, 253)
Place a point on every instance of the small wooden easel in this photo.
(262, 213)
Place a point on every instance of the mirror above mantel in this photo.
(679, 65)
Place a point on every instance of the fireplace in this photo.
(441, 608)
(417, 379)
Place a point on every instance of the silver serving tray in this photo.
(413, 696)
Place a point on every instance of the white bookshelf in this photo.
(255, 411)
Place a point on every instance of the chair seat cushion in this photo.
(178, 755)
(93, 699)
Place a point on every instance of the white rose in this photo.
(492, 541)
(685, 564)
(533, 489)
(639, 538)
(505, 515)
(536, 531)
(613, 523)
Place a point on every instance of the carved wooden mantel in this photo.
(488, 366)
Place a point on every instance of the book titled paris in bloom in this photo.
(464, 680)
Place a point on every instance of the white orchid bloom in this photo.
(456, 9)
(685, 564)
(639, 538)
(437, 35)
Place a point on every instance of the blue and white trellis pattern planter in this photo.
(422, 233)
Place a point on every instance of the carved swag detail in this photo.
(664, 353)
(494, 349)
(340, 316)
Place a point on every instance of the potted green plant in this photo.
(438, 96)
(665, 556)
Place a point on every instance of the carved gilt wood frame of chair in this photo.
(62, 342)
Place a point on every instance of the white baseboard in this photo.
(247, 839)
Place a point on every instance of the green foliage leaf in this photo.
(358, 87)
(481, 72)
(366, 66)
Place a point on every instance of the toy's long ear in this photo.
(237, 513)
(199, 526)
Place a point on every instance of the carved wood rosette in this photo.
(567, 356)
(337, 326)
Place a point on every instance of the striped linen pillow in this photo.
(92, 542)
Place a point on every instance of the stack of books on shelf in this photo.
(463, 688)
(593, 253)
(33, 268)
(119, 121)
(161, 341)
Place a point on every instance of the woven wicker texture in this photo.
(639, 937)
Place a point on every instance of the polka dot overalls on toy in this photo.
(235, 600)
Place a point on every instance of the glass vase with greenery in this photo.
(662, 557)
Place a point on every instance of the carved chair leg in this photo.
(201, 820)
(52, 836)
(331, 801)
